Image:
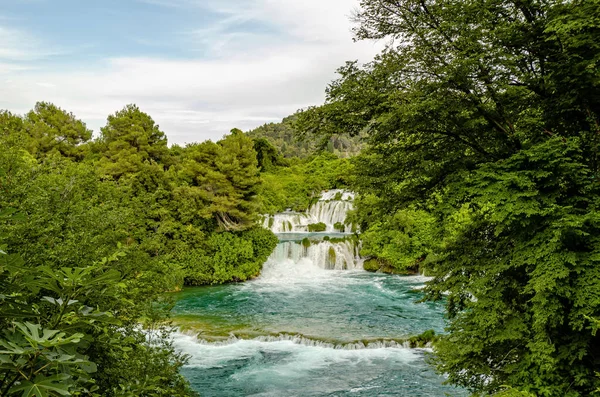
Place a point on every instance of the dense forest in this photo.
(482, 121)
(472, 142)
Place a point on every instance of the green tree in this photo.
(11, 130)
(52, 130)
(129, 140)
(266, 154)
(486, 113)
(239, 165)
(220, 181)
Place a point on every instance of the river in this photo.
(313, 324)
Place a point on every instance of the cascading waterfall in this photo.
(313, 323)
(330, 213)
(331, 209)
(343, 255)
(302, 255)
(287, 222)
(312, 262)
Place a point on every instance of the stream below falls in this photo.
(303, 330)
(313, 324)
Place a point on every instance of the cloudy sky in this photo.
(198, 67)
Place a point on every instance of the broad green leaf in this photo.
(44, 386)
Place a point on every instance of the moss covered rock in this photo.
(371, 265)
(424, 340)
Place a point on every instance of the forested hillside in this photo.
(291, 143)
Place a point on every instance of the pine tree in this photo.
(129, 140)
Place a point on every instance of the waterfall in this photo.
(286, 222)
(302, 256)
(312, 262)
(330, 213)
(331, 209)
(342, 255)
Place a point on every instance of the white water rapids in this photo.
(327, 210)
(342, 255)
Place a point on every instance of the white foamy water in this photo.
(327, 210)
(278, 368)
(307, 355)
(323, 263)
(341, 255)
(305, 341)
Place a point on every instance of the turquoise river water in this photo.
(313, 324)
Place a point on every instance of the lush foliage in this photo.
(74, 323)
(317, 227)
(396, 242)
(228, 257)
(74, 330)
(299, 185)
(486, 114)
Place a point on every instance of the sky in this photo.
(198, 67)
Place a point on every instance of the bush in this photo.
(372, 265)
(228, 257)
(340, 227)
(317, 227)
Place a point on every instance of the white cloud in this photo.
(249, 79)
(18, 46)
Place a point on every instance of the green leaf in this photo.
(36, 335)
(44, 386)
(50, 299)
